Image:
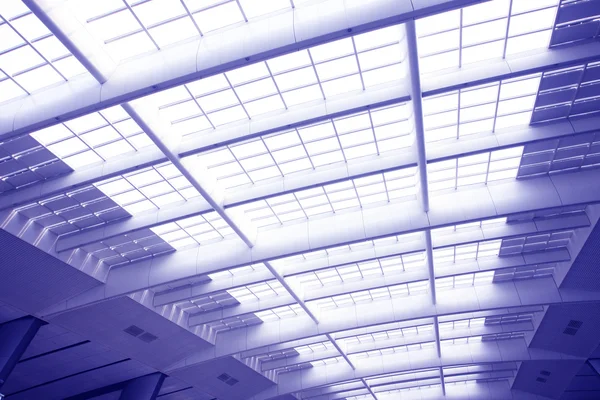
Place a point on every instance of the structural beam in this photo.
(15, 336)
(340, 350)
(464, 300)
(152, 127)
(364, 382)
(291, 291)
(60, 20)
(442, 381)
(400, 341)
(215, 53)
(456, 207)
(295, 116)
(471, 353)
(143, 388)
(486, 232)
(379, 282)
(393, 161)
(417, 104)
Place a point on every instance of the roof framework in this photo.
(287, 170)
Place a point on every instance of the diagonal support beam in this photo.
(158, 134)
(364, 382)
(416, 94)
(391, 162)
(468, 205)
(442, 381)
(340, 350)
(345, 105)
(215, 53)
(291, 291)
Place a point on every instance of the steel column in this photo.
(15, 336)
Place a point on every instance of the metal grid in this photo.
(557, 156)
(93, 138)
(278, 313)
(476, 225)
(365, 296)
(304, 148)
(314, 348)
(471, 251)
(475, 279)
(576, 21)
(533, 243)
(236, 322)
(259, 291)
(198, 230)
(478, 169)
(386, 334)
(31, 58)
(494, 29)
(320, 72)
(376, 189)
(149, 189)
(127, 248)
(391, 350)
(362, 270)
(237, 271)
(508, 319)
(24, 161)
(73, 211)
(525, 272)
(491, 107)
(346, 248)
(133, 27)
(212, 302)
(568, 92)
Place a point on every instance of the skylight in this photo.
(24, 161)
(536, 242)
(385, 335)
(334, 141)
(73, 211)
(475, 279)
(465, 252)
(391, 350)
(192, 231)
(477, 225)
(362, 270)
(346, 65)
(278, 313)
(491, 30)
(367, 244)
(93, 138)
(132, 27)
(149, 189)
(352, 194)
(314, 348)
(237, 271)
(31, 58)
(365, 296)
(480, 168)
(257, 291)
(487, 108)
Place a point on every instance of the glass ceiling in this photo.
(347, 65)
(335, 141)
(491, 30)
(32, 59)
(132, 27)
(94, 138)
